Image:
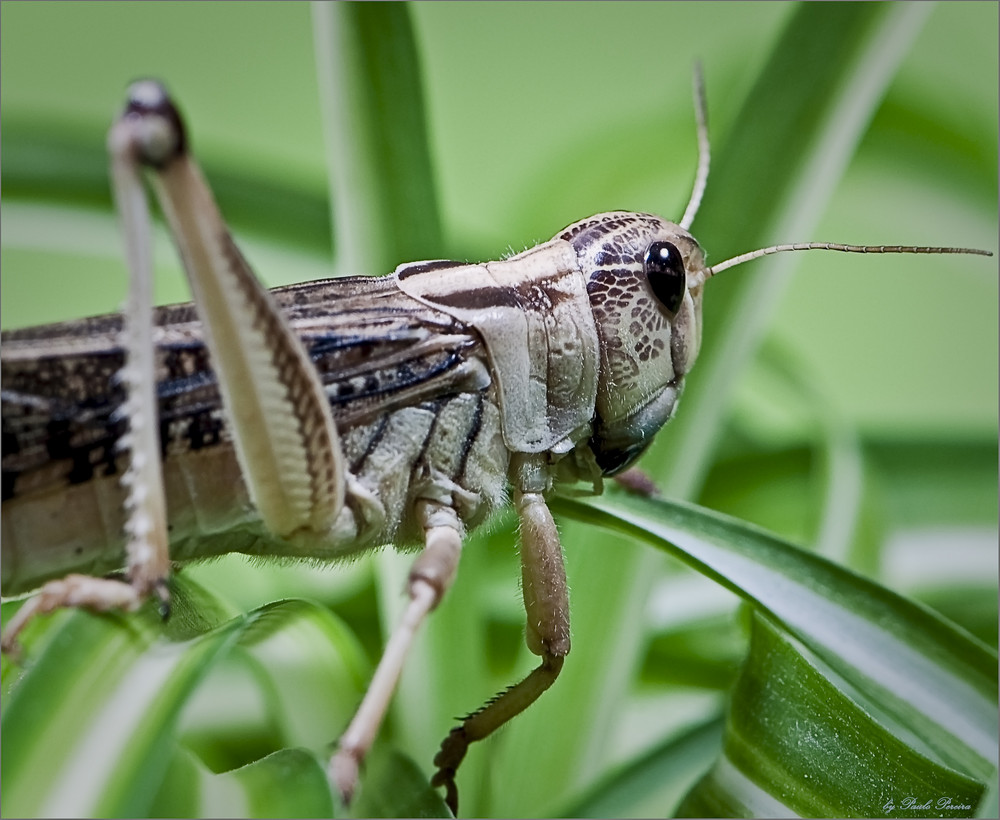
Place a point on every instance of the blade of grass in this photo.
(381, 183)
(396, 787)
(808, 110)
(287, 783)
(932, 677)
(385, 211)
(57, 161)
(94, 726)
(842, 460)
(811, 746)
(653, 785)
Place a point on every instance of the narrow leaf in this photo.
(930, 676)
(653, 785)
(793, 733)
(381, 186)
(395, 787)
(287, 783)
(96, 722)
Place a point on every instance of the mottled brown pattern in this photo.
(641, 376)
(374, 347)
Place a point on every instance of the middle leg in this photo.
(430, 577)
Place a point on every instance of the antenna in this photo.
(704, 152)
(834, 246)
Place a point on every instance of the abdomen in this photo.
(409, 390)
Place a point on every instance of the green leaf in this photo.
(936, 481)
(57, 161)
(287, 783)
(386, 211)
(793, 734)
(927, 675)
(394, 786)
(109, 691)
(384, 205)
(775, 170)
(95, 724)
(655, 784)
(778, 167)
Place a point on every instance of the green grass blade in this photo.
(95, 723)
(930, 676)
(935, 481)
(386, 211)
(109, 691)
(654, 784)
(817, 751)
(829, 68)
(395, 786)
(287, 783)
(316, 693)
(384, 205)
(68, 163)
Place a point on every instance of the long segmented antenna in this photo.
(701, 180)
(704, 151)
(834, 246)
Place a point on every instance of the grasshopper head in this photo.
(644, 279)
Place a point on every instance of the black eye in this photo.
(665, 272)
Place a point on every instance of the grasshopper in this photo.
(333, 417)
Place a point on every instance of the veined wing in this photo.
(376, 349)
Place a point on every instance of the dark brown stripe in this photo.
(425, 267)
(373, 442)
(435, 408)
(480, 299)
(473, 433)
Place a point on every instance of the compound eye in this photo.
(665, 272)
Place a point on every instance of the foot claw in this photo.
(446, 778)
(448, 758)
